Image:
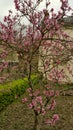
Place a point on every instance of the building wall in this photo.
(67, 73)
(69, 31)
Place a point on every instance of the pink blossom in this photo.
(46, 93)
(5, 19)
(34, 102)
(24, 100)
(36, 93)
(44, 11)
(30, 94)
(48, 121)
(57, 93)
(30, 106)
(1, 67)
(52, 105)
(37, 35)
(54, 119)
(51, 93)
(17, 4)
(27, 43)
(43, 111)
(58, 62)
(39, 99)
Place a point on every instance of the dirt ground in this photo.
(17, 116)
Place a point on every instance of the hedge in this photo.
(12, 90)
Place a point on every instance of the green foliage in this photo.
(11, 91)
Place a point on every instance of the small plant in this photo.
(41, 101)
(11, 91)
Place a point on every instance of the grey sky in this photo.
(5, 5)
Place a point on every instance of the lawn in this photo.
(17, 116)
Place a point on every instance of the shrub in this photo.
(11, 91)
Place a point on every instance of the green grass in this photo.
(11, 91)
(14, 83)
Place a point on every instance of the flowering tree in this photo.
(43, 36)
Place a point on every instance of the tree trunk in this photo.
(35, 127)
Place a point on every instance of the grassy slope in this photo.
(17, 117)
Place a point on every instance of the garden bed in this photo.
(11, 91)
